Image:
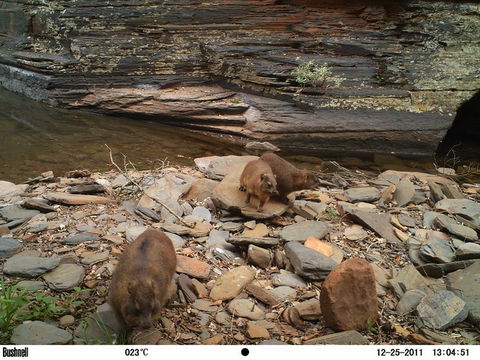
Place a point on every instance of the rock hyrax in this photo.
(257, 179)
(140, 282)
(288, 177)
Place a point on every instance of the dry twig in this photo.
(124, 173)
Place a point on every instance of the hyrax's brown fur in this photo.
(257, 179)
(288, 177)
(139, 286)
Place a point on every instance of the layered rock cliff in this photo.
(397, 71)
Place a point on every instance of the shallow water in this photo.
(35, 137)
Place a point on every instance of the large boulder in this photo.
(348, 298)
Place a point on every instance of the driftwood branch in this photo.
(124, 173)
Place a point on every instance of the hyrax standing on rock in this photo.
(289, 178)
(257, 179)
(140, 282)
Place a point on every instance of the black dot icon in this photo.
(245, 352)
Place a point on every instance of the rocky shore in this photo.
(387, 259)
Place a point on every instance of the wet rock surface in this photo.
(267, 279)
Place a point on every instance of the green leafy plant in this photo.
(236, 101)
(331, 213)
(370, 326)
(311, 73)
(13, 302)
(44, 307)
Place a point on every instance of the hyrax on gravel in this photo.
(257, 179)
(288, 177)
(140, 283)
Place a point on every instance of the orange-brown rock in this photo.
(193, 267)
(348, 298)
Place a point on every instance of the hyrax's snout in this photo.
(146, 324)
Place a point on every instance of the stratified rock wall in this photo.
(398, 72)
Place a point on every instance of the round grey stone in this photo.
(65, 277)
(203, 213)
(9, 246)
(79, 238)
(29, 266)
(302, 230)
(177, 241)
(39, 333)
(246, 308)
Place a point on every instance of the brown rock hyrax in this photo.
(257, 179)
(141, 280)
(288, 177)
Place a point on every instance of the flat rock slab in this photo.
(309, 309)
(96, 257)
(408, 278)
(245, 308)
(261, 294)
(409, 301)
(29, 266)
(302, 230)
(133, 232)
(394, 177)
(177, 241)
(259, 231)
(286, 278)
(379, 223)
(308, 263)
(350, 337)
(465, 207)
(439, 270)
(283, 293)
(245, 241)
(259, 256)
(231, 283)
(466, 285)
(15, 212)
(39, 333)
(217, 167)
(38, 204)
(355, 233)
(65, 277)
(227, 196)
(31, 285)
(193, 267)
(9, 246)
(203, 213)
(167, 190)
(437, 248)
(175, 228)
(405, 192)
(364, 194)
(79, 238)
(9, 190)
(442, 310)
(460, 231)
(86, 189)
(468, 251)
(76, 199)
